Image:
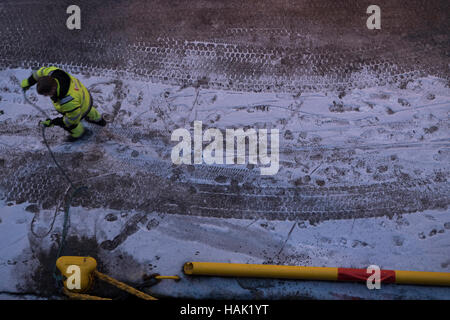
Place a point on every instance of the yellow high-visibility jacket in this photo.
(72, 99)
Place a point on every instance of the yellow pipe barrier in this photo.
(259, 270)
(422, 278)
(314, 273)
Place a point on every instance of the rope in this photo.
(51, 224)
(66, 223)
(123, 286)
(176, 278)
(34, 105)
(117, 284)
(66, 226)
(80, 296)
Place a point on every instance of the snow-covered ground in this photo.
(328, 141)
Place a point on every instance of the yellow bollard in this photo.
(81, 271)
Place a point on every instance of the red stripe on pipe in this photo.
(361, 275)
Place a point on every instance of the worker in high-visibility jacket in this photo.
(70, 98)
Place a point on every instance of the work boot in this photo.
(100, 122)
(86, 134)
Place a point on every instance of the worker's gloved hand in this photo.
(47, 123)
(53, 122)
(58, 122)
(25, 85)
